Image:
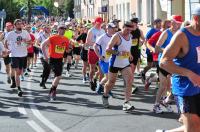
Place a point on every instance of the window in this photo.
(117, 11)
(139, 9)
(128, 11)
(124, 12)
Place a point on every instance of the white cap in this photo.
(196, 10)
(111, 25)
(61, 25)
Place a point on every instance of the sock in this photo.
(13, 79)
(68, 66)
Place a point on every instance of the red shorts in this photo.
(92, 57)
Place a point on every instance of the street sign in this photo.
(3, 14)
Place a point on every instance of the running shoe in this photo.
(127, 106)
(99, 89)
(84, 80)
(143, 77)
(13, 85)
(28, 70)
(92, 86)
(20, 93)
(43, 85)
(52, 94)
(68, 74)
(105, 101)
(22, 78)
(157, 109)
(8, 80)
(167, 106)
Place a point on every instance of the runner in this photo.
(164, 76)
(58, 44)
(92, 36)
(137, 41)
(46, 67)
(84, 52)
(100, 50)
(16, 43)
(182, 59)
(156, 28)
(119, 46)
(6, 58)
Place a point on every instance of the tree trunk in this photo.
(29, 11)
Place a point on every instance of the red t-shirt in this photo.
(30, 47)
(152, 41)
(58, 45)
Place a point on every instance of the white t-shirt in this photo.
(1, 48)
(102, 42)
(41, 38)
(18, 50)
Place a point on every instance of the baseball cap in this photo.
(135, 20)
(111, 25)
(98, 20)
(196, 10)
(116, 21)
(62, 25)
(8, 24)
(177, 18)
(128, 24)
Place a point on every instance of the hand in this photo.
(194, 78)
(131, 58)
(102, 58)
(46, 59)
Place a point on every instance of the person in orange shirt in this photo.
(57, 44)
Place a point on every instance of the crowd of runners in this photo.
(107, 51)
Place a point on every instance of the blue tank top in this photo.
(181, 85)
(167, 41)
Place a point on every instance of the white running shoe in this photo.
(157, 109)
(127, 106)
(68, 74)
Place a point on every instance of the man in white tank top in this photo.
(119, 49)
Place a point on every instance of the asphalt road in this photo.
(77, 108)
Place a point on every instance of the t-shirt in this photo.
(148, 36)
(1, 48)
(102, 42)
(20, 49)
(58, 45)
(152, 41)
(30, 47)
(82, 37)
(69, 34)
(41, 38)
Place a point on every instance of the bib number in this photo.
(59, 49)
(134, 42)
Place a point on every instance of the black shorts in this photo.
(76, 50)
(162, 71)
(84, 54)
(7, 60)
(67, 54)
(56, 66)
(149, 58)
(116, 69)
(188, 104)
(36, 50)
(19, 62)
(135, 52)
(30, 55)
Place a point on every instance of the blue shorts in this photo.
(104, 66)
(188, 104)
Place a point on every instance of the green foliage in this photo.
(12, 7)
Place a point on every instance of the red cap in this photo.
(98, 20)
(8, 24)
(177, 18)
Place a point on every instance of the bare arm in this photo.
(160, 42)
(178, 47)
(43, 47)
(89, 39)
(150, 47)
(142, 38)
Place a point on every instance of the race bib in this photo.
(108, 55)
(198, 54)
(134, 42)
(59, 49)
(125, 56)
